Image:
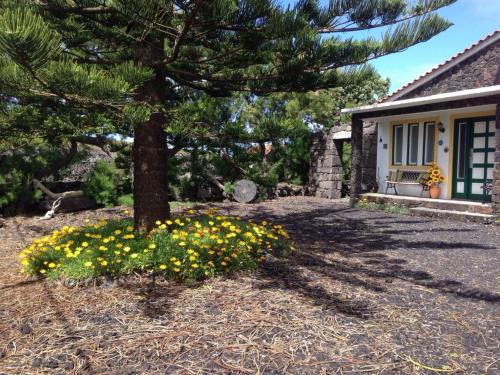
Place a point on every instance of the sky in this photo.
(472, 19)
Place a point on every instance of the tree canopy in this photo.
(130, 60)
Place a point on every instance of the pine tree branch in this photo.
(183, 32)
(64, 11)
(60, 163)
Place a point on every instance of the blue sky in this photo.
(472, 19)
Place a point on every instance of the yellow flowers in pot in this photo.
(435, 178)
(435, 175)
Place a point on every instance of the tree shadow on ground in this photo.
(336, 246)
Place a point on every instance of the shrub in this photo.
(17, 170)
(126, 200)
(101, 184)
(189, 247)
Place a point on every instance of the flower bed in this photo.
(191, 246)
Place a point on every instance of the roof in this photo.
(446, 97)
(452, 61)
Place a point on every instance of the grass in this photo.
(128, 201)
(192, 246)
(389, 208)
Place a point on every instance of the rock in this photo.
(69, 365)
(25, 329)
(284, 189)
(37, 362)
(51, 363)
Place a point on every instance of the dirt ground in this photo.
(366, 293)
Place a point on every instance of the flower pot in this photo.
(434, 191)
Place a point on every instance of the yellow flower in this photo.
(182, 243)
(195, 265)
(118, 231)
(85, 244)
(134, 255)
(192, 258)
(52, 265)
(88, 264)
(163, 266)
(176, 269)
(152, 246)
(126, 249)
(130, 228)
(178, 263)
(223, 263)
(104, 263)
(168, 222)
(42, 271)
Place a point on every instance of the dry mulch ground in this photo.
(366, 293)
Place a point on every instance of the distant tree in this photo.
(128, 59)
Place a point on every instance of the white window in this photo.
(429, 139)
(397, 145)
(412, 157)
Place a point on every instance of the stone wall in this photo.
(326, 172)
(479, 70)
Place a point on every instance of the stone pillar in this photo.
(495, 197)
(356, 157)
(325, 169)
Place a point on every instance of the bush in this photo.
(189, 247)
(17, 170)
(101, 184)
(126, 200)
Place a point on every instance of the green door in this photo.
(474, 153)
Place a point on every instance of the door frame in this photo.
(469, 140)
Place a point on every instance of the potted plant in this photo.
(435, 178)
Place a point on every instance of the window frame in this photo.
(397, 126)
(426, 145)
(408, 143)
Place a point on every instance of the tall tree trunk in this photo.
(150, 173)
(150, 150)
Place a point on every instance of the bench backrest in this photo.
(407, 175)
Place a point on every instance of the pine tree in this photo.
(129, 59)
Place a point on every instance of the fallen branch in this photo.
(58, 197)
(52, 212)
(50, 194)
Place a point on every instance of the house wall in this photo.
(479, 70)
(444, 154)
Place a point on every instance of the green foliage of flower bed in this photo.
(192, 246)
(390, 208)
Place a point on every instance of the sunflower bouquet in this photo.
(435, 175)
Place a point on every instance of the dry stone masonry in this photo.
(326, 172)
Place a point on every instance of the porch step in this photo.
(438, 204)
(453, 214)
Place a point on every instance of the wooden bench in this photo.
(407, 177)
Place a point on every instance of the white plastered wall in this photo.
(444, 150)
